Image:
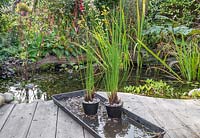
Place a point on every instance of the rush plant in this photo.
(113, 51)
(138, 31)
(168, 70)
(89, 79)
(188, 57)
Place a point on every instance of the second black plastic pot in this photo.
(114, 111)
(91, 108)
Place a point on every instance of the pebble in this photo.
(2, 100)
(8, 97)
(1, 94)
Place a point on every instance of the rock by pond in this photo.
(2, 100)
(194, 93)
(9, 97)
(1, 94)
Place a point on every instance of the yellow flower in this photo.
(105, 21)
(22, 7)
(105, 11)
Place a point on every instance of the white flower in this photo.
(91, 5)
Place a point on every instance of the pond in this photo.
(44, 84)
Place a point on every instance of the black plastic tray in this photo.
(159, 132)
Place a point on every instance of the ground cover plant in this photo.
(153, 88)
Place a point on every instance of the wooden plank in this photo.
(67, 127)
(168, 119)
(87, 134)
(186, 112)
(179, 133)
(19, 121)
(44, 121)
(195, 127)
(4, 113)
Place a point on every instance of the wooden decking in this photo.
(180, 118)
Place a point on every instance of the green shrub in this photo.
(9, 44)
(60, 9)
(181, 12)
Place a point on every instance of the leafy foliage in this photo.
(153, 88)
(45, 31)
(184, 12)
(9, 45)
(106, 3)
(60, 8)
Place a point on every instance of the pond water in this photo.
(44, 84)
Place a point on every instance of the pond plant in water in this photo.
(152, 88)
(113, 53)
(188, 57)
(90, 103)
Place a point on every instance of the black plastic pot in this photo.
(114, 111)
(91, 108)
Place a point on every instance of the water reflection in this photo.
(41, 86)
(116, 128)
(93, 121)
(27, 93)
(124, 128)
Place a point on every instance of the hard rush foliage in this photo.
(169, 70)
(113, 51)
(89, 78)
(139, 30)
(188, 57)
